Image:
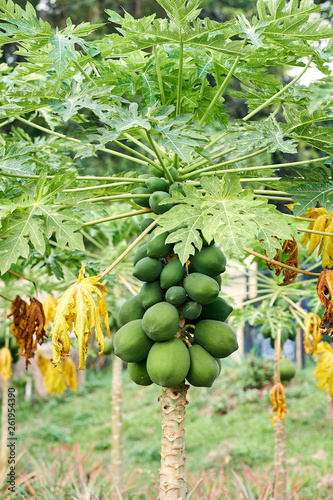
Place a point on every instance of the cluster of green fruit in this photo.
(174, 328)
(156, 189)
(286, 333)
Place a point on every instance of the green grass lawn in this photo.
(225, 426)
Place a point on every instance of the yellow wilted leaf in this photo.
(5, 363)
(56, 382)
(49, 306)
(322, 221)
(278, 400)
(77, 309)
(69, 370)
(324, 368)
(312, 334)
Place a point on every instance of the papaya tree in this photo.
(157, 94)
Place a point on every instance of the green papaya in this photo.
(140, 254)
(201, 288)
(218, 279)
(108, 347)
(138, 373)
(151, 293)
(218, 361)
(218, 338)
(172, 274)
(156, 172)
(130, 343)
(284, 334)
(266, 330)
(282, 303)
(144, 176)
(209, 260)
(168, 362)
(145, 223)
(130, 310)
(156, 184)
(174, 173)
(204, 369)
(175, 295)
(161, 321)
(147, 269)
(192, 310)
(144, 201)
(218, 310)
(156, 198)
(292, 332)
(287, 370)
(156, 246)
(176, 186)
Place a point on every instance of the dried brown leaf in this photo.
(19, 311)
(289, 247)
(325, 294)
(34, 332)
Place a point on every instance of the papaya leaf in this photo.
(307, 196)
(78, 308)
(225, 213)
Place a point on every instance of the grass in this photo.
(226, 426)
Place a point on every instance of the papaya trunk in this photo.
(280, 472)
(4, 418)
(116, 456)
(172, 471)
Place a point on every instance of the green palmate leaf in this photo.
(309, 194)
(266, 134)
(226, 214)
(181, 11)
(37, 212)
(322, 96)
(302, 126)
(251, 33)
(14, 159)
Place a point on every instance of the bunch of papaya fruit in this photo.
(174, 329)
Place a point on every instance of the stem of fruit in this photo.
(271, 99)
(116, 217)
(203, 171)
(193, 166)
(139, 143)
(277, 263)
(135, 153)
(172, 472)
(99, 186)
(127, 251)
(159, 157)
(159, 76)
(116, 197)
(77, 141)
(220, 91)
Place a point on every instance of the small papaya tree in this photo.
(157, 94)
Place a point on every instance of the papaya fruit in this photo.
(287, 370)
(282, 303)
(174, 173)
(172, 274)
(144, 201)
(201, 288)
(204, 368)
(156, 198)
(156, 246)
(147, 269)
(209, 260)
(145, 223)
(218, 279)
(175, 295)
(130, 310)
(144, 176)
(218, 310)
(218, 361)
(176, 186)
(156, 172)
(168, 362)
(156, 184)
(161, 321)
(108, 347)
(266, 330)
(130, 343)
(284, 334)
(140, 254)
(138, 373)
(151, 293)
(192, 310)
(292, 332)
(218, 338)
